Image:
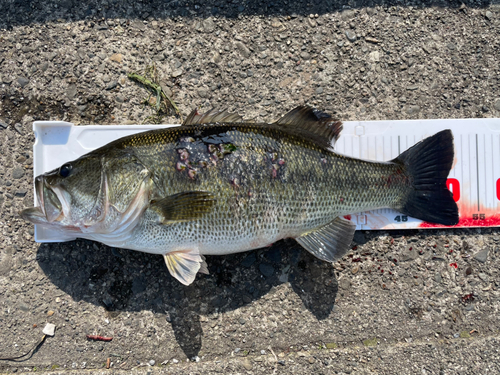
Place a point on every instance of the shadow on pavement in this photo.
(25, 12)
(123, 280)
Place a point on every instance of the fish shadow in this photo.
(128, 281)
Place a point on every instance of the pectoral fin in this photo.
(185, 264)
(330, 242)
(185, 206)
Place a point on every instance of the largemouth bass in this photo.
(219, 185)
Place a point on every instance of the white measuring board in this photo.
(474, 179)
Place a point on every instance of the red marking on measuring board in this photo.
(453, 185)
(498, 189)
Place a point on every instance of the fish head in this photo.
(93, 194)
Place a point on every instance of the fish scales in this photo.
(218, 185)
(271, 186)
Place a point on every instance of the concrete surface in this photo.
(276, 310)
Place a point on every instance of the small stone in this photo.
(245, 362)
(468, 271)
(355, 270)
(20, 193)
(374, 56)
(237, 350)
(249, 260)
(351, 35)
(470, 308)
(208, 25)
(117, 57)
(242, 321)
(483, 277)
(175, 360)
(50, 313)
(266, 269)
(497, 104)
(412, 109)
(111, 85)
(319, 90)
(176, 73)
(49, 329)
(481, 256)
(19, 128)
(276, 23)
(438, 278)
(22, 81)
(71, 91)
(305, 55)
(152, 362)
(408, 254)
(203, 92)
(331, 345)
(3, 125)
(17, 173)
(489, 15)
(311, 360)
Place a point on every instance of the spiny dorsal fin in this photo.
(211, 117)
(312, 124)
(187, 206)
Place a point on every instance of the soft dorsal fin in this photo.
(212, 116)
(312, 124)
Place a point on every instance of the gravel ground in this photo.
(395, 304)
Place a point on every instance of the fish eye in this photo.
(65, 170)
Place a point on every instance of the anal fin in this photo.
(185, 264)
(330, 242)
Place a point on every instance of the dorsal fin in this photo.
(212, 116)
(312, 124)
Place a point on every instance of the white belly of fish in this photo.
(226, 238)
(163, 240)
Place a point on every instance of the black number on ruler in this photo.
(400, 218)
(478, 216)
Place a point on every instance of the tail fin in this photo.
(428, 163)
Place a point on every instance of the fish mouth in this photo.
(50, 206)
